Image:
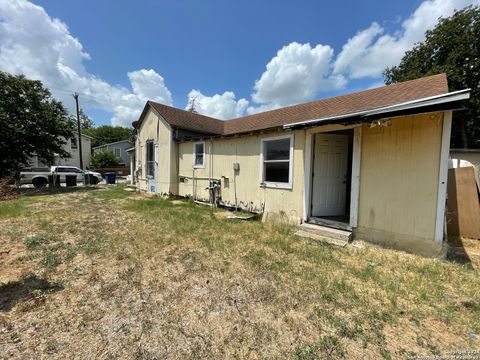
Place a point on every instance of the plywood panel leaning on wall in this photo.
(463, 216)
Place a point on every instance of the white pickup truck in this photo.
(40, 176)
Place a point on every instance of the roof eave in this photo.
(447, 101)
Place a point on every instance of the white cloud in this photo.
(40, 47)
(296, 74)
(370, 51)
(223, 106)
(299, 71)
(261, 108)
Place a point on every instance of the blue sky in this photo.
(171, 48)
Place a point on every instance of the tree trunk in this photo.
(463, 133)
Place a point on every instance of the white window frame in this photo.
(194, 155)
(73, 143)
(147, 162)
(119, 152)
(277, 185)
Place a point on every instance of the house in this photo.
(374, 161)
(470, 155)
(71, 146)
(119, 148)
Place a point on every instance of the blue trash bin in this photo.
(110, 178)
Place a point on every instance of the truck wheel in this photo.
(39, 183)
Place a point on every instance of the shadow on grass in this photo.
(456, 251)
(25, 289)
(60, 190)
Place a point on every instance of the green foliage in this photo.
(85, 122)
(31, 122)
(106, 134)
(329, 347)
(32, 242)
(51, 261)
(104, 159)
(452, 47)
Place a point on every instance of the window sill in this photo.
(199, 166)
(272, 185)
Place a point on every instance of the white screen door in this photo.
(154, 179)
(329, 183)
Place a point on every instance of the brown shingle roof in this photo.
(189, 121)
(339, 105)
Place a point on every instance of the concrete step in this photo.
(322, 239)
(325, 234)
(330, 223)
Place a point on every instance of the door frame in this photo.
(153, 181)
(355, 180)
(330, 145)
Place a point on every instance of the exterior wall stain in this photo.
(399, 172)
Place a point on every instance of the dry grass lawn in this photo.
(112, 274)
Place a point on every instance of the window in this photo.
(73, 143)
(117, 152)
(276, 161)
(199, 155)
(150, 159)
(64, 169)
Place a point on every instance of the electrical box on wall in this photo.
(236, 167)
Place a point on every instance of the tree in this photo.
(31, 123)
(85, 121)
(107, 134)
(103, 159)
(452, 47)
(192, 105)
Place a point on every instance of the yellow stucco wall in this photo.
(250, 195)
(399, 182)
(155, 128)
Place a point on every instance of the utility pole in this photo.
(75, 96)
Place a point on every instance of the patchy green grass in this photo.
(15, 208)
(149, 277)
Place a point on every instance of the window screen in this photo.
(276, 160)
(199, 154)
(150, 159)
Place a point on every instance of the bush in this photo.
(103, 159)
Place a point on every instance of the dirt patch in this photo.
(7, 190)
(222, 214)
(115, 274)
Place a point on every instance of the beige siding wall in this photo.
(250, 195)
(398, 177)
(399, 182)
(74, 159)
(155, 128)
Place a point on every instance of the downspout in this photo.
(211, 159)
(235, 179)
(193, 182)
(211, 190)
(210, 163)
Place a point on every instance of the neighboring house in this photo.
(374, 161)
(119, 148)
(71, 147)
(131, 154)
(470, 155)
